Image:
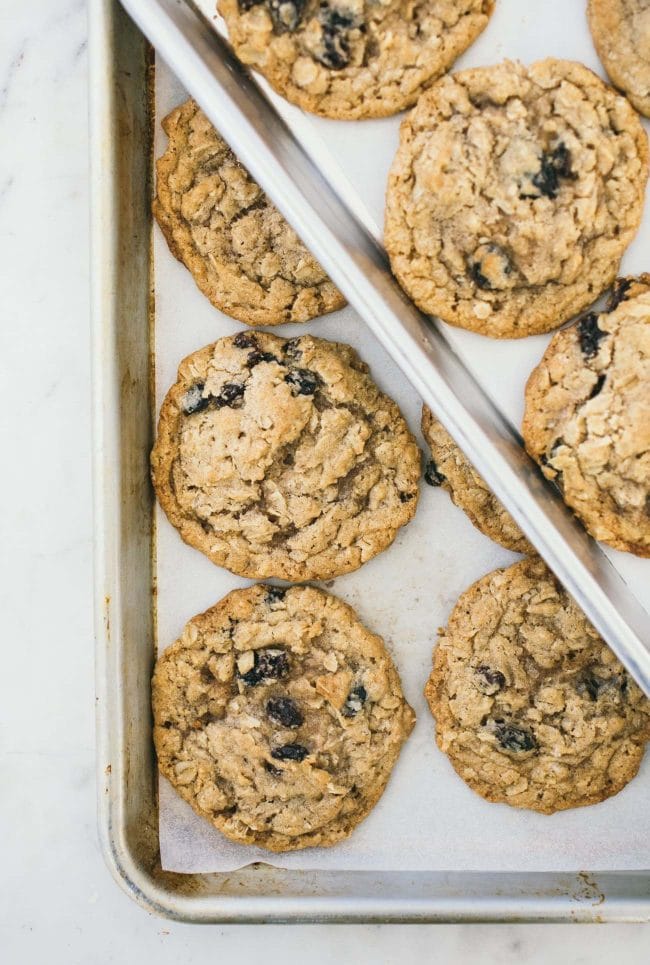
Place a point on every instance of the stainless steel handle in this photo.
(358, 265)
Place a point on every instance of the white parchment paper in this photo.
(428, 819)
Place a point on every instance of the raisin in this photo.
(554, 166)
(595, 686)
(432, 474)
(292, 349)
(546, 460)
(546, 180)
(302, 381)
(290, 752)
(619, 293)
(194, 400)
(206, 674)
(284, 711)
(256, 357)
(489, 681)
(590, 335)
(562, 162)
(286, 14)
(490, 267)
(275, 593)
(477, 275)
(230, 395)
(275, 771)
(512, 738)
(355, 701)
(600, 381)
(406, 497)
(335, 25)
(590, 684)
(269, 665)
(244, 339)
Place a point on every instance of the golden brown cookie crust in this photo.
(450, 468)
(279, 717)
(531, 706)
(351, 59)
(218, 222)
(621, 34)
(282, 458)
(587, 418)
(513, 195)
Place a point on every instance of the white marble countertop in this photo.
(58, 902)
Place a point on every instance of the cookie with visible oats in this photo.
(531, 706)
(450, 468)
(513, 195)
(587, 417)
(279, 717)
(621, 33)
(352, 58)
(219, 223)
(281, 457)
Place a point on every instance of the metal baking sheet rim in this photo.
(125, 594)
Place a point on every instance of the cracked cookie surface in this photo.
(278, 717)
(217, 221)
(587, 418)
(352, 58)
(281, 457)
(621, 33)
(531, 706)
(450, 468)
(513, 195)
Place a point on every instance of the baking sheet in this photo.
(428, 819)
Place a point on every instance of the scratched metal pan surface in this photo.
(125, 593)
